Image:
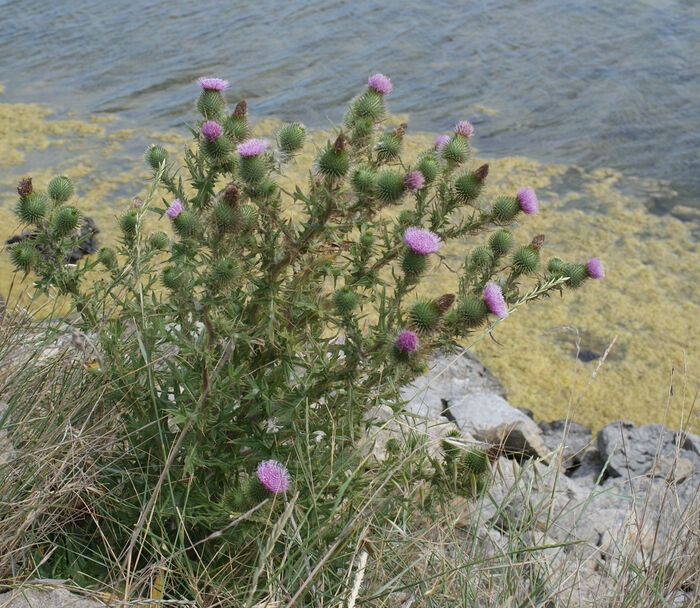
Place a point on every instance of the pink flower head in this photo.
(211, 130)
(420, 240)
(213, 84)
(174, 209)
(252, 147)
(273, 476)
(413, 181)
(528, 200)
(464, 128)
(407, 341)
(441, 141)
(379, 83)
(493, 296)
(595, 268)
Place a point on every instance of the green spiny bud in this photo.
(186, 223)
(249, 216)
(576, 272)
(291, 138)
(32, 209)
(468, 187)
(407, 218)
(226, 219)
(472, 311)
(366, 240)
(267, 188)
(429, 168)
(217, 150)
(475, 461)
(388, 146)
(363, 180)
(106, 257)
(211, 104)
(254, 491)
(413, 264)
(345, 300)
(501, 242)
(370, 105)
(60, 189)
(236, 127)
(128, 222)
(361, 128)
(555, 265)
(172, 278)
(482, 257)
(225, 271)
(451, 450)
(456, 150)
(156, 156)
(333, 163)
(504, 209)
(389, 187)
(424, 315)
(159, 240)
(252, 169)
(66, 220)
(526, 260)
(23, 255)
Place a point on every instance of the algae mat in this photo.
(649, 301)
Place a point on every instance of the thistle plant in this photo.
(233, 345)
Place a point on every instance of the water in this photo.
(605, 84)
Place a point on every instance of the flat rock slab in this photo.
(40, 598)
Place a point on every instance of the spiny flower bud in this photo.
(226, 218)
(526, 260)
(471, 312)
(468, 187)
(186, 223)
(504, 209)
(172, 278)
(482, 257)
(249, 216)
(267, 188)
(424, 316)
(501, 242)
(388, 147)
(231, 195)
(429, 168)
(345, 300)
(23, 255)
(369, 107)
(128, 222)
(210, 104)
(66, 220)
(456, 150)
(577, 274)
(413, 264)
(389, 187)
(475, 461)
(159, 240)
(291, 138)
(60, 189)
(31, 209)
(482, 172)
(407, 218)
(366, 240)
(106, 257)
(363, 180)
(236, 127)
(24, 187)
(555, 265)
(334, 161)
(225, 272)
(252, 169)
(156, 156)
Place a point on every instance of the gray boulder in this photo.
(578, 439)
(39, 598)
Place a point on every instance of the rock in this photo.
(638, 451)
(451, 375)
(527, 411)
(88, 232)
(489, 418)
(6, 450)
(28, 597)
(578, 438)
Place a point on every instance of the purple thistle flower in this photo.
(407, 341)
(493, 296)
(213, 84)
(273, 476)
(595, 268)
(420, 240)
(211, 130)
(464, 128)
(379, 83)
(441, 141)
(413, 181)
(174, 209)
(528, 200)
(252, 147)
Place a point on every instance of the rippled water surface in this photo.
(604, 84)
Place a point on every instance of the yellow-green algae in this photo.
(649, 300)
